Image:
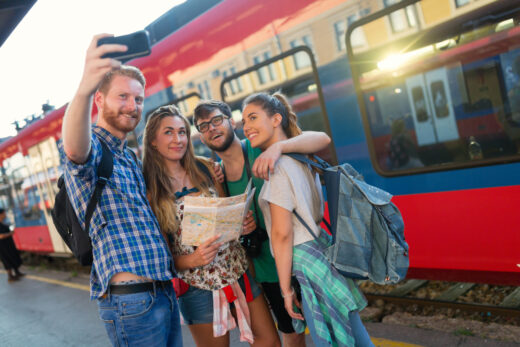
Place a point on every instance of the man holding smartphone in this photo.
(214, 121)
(132, 265)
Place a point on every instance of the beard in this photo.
(113, 118)
(229, 136)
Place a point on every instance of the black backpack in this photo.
(64, 216)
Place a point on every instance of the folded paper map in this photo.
(206, 217)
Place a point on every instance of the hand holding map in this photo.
(205, 217)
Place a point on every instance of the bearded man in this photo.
(132, 265)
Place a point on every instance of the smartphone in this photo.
(138, 44)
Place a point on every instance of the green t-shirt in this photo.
(265, 267)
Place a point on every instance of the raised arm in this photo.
(308, 142)
(76, 129)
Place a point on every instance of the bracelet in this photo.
(287, 295)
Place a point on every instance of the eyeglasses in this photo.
(215, 121)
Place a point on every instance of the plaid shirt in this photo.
(124, 231)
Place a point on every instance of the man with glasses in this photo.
(214, 121)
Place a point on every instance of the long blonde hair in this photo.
(159, 188)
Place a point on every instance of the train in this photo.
(422, 97)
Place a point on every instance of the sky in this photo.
(42, 61)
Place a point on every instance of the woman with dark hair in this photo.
(330, 301)
(8, 253)
(216, 273)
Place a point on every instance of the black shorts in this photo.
(276, 303)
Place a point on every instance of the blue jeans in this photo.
(359, 331)
(148, 318)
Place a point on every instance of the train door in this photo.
(421, 110)
(44, 168)
(433, 115)
(440, 96)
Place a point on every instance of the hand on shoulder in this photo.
(266, 161)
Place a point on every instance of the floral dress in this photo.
(229, 264)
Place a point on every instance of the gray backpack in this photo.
(367, 229)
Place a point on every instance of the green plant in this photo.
(464, 332)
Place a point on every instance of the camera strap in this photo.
(247, 166)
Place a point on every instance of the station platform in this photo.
(52, 308)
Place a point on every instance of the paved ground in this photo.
(49, 308)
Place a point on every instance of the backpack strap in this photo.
(104, 171)
(305, 224)
(247, 165)
(318, 164)
(204, 169)
(132, 153)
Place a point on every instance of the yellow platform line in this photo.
(53, 281)
(379, 342)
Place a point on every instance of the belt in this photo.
(137, 287)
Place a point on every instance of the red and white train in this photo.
(422, 97)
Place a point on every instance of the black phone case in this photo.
(138, 44)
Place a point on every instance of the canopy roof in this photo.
(11, 13)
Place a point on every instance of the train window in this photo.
(302, 87)
(439, 99)
(448, 99)
(419, 103)
(6, 198)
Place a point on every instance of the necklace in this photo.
(180, 192)
(185, 191)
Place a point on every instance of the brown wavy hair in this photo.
(159, 189)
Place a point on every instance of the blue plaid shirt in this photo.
(124, 231)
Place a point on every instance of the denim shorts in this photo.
(149, 318)
(196, 304)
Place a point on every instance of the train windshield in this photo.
(442, 91)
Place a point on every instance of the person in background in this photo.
(216, 273)
(132, 266)
(213, 120)
(8, 253)
(330, 301)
